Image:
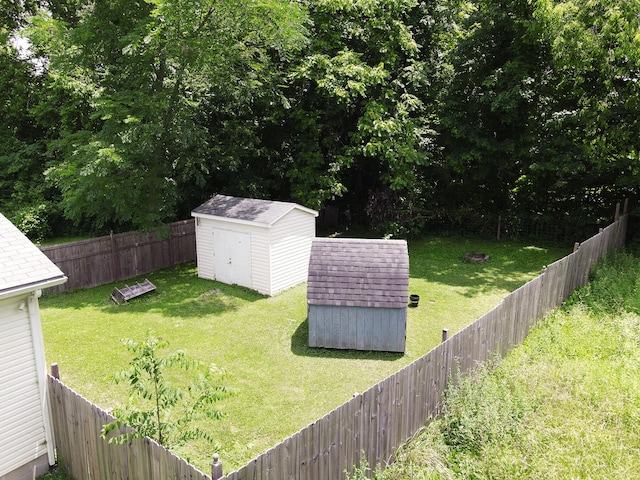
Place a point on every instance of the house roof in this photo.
(254, 210)
(358, 273)
(23, 266)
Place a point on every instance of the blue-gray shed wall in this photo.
(357, 328)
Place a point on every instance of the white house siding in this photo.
(22, 433)
(260, 269)
(291, 238)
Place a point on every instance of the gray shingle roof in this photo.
(265, 212)
(21, 263)
(358, 273)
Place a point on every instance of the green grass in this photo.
(56, 472)
(566, 404)
(281, 385)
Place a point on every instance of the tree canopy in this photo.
(126, 114)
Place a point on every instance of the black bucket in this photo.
(413, 300)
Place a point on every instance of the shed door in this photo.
(232, 257)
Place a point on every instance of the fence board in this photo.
(304, 458)
(433, 385)
(483, 332)
(415, 405)
(370, 399)
(438, 384)
(516, 317)
(335, 456)
(89, 432)
(416, 395)
(290, 457)
(498, 319)
(470, 344)
(409, 388)
(403, 408)
(385, 426)
(77, 437)
(348, 424)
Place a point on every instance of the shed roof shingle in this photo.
(265, 212)
(21, 263)
(358, 273)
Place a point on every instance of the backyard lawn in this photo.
(280, 384)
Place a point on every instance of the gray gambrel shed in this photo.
(357, 294)
(26, 432)
(260, 244)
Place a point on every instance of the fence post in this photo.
(617, 217)
(445, 334)
(216, 467)
(576, 246)
(55, 371)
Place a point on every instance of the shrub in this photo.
(157, 409)
(487, 406)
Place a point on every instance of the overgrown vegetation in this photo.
(281, 384)
(563, 405)
(122, 115)
(56, 473)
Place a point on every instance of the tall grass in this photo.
(566, 404)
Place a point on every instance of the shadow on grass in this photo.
(510, 265)
(179, 293)
(300, 346)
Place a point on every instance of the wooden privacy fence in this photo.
(115, 257)
(372, 424)
(375, 423)
(77, 424)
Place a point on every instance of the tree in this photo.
(156, 408)
(144, 71)
(586, 156)
(401, 111)
(540, 118)
(24, 198)
(362, 110)
(489, 111)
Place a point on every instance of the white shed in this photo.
(26, 436)
(260, 244)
